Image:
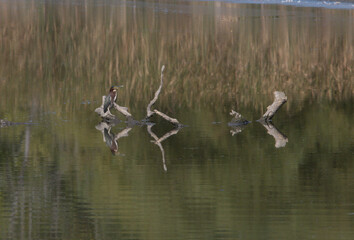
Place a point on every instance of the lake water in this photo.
(292, 179)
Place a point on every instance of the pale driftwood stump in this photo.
(279, 100)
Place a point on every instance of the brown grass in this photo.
(216, 55)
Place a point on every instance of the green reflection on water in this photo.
(59, 180)
(69, 185)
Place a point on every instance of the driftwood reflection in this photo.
(158, 141)
(279, 137)
(109, 137)
(238, 125)
(238, 122)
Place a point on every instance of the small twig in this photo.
(279, 99)
(149, 113)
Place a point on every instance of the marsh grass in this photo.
(51, 54)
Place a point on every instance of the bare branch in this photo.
(171, 120)
(149, 113)
(123, 110)
(279, 99)
(107, 115)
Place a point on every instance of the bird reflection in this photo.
(110, 138)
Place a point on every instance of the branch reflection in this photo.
(158, 141)
(279, 137)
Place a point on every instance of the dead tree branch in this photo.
(108, 114)
(123, 110)
(279, 99)
(149, 113)
(167, 118)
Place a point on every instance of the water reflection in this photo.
(109, 137)
(279, 137)
(239, 123)
(158, 141)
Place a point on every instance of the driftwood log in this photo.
(238, 123)
(279, 100)
(108, 114)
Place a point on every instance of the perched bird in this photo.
(110, 98)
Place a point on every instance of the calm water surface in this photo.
(289, 180)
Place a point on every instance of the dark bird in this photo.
(110, 98)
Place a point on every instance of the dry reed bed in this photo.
(59, 53)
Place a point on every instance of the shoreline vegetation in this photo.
(56, 55)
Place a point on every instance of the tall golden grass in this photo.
(217, 54)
